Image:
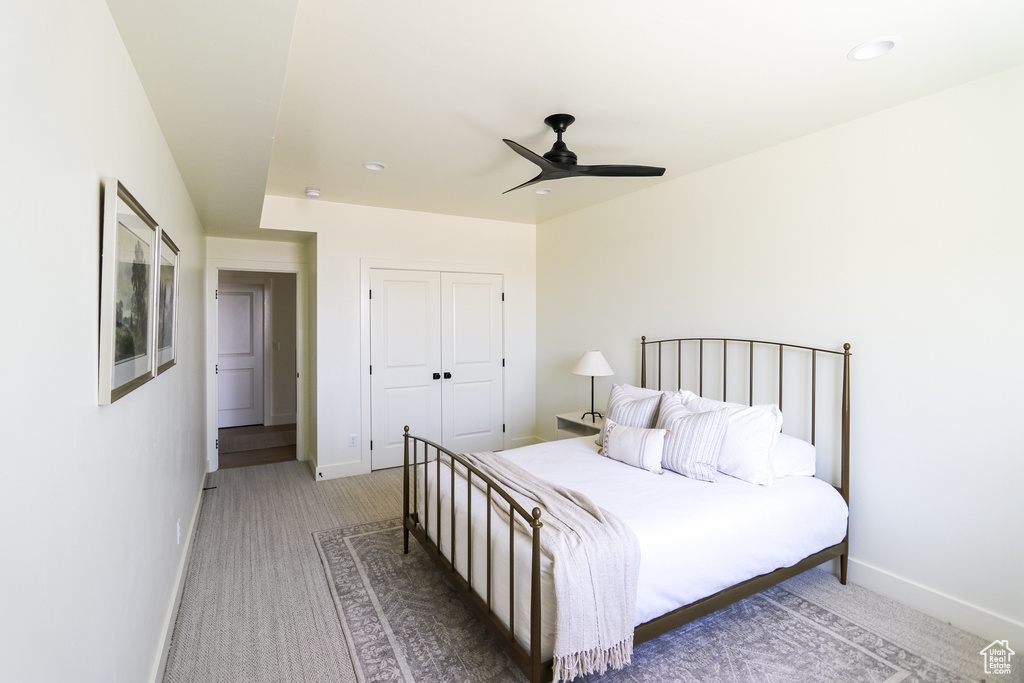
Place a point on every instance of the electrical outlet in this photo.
(351, 440)
(179, 530)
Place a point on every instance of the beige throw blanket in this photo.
(595, 559)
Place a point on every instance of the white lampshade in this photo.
(593, 364)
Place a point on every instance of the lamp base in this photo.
(593, 415)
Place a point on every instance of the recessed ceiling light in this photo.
(374, 166)
(874, 48)
(312, 193)
(543, 190)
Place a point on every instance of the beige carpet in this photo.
(257, 605)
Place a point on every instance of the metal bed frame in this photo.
(528, 660)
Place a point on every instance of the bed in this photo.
(699, 552)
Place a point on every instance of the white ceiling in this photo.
(273, 96)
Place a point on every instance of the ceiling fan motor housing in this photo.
(559, 153)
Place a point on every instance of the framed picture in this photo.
(167, 305)
(128, 289)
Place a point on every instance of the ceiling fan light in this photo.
(543, 190)
(874, 48)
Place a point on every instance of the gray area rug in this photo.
(404, 623)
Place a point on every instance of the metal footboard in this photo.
(426, 462)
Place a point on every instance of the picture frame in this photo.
(130, 240)
(167, 305)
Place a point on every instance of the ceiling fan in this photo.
(560, 161)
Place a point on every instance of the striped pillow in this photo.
(750, 436)
(629, 410)
(634, 446)
(694, 440)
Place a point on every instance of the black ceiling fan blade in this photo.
(531, 156)
(537, 179)
(619, 171)
(549, 170)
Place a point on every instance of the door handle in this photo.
(447, 375)
(437, 375)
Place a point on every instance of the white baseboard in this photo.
(179, 588)
(966, 616)
(344, 469)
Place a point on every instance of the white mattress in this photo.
(696, 538)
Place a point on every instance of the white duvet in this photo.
(696, 538)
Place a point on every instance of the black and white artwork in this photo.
(167, 300)
(127, 294)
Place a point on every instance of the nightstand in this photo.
(571, 425)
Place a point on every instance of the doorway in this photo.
(256, 368)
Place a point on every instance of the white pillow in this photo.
(630, 406)
(685, 395)
(634, 446)
(694, 440)
(793, 456)
(640, 392)
(750, 435)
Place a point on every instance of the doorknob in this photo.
(437, 375)
(447, 375)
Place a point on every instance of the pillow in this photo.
(750, 435)
(634, 446)
(694, 440)
(630, 406)
(685, 395)
(639, 392)
(793, 456)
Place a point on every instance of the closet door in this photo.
(405, 343)
(436, 347)
(471, 353)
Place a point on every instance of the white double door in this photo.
(436, 354)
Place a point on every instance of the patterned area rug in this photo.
(404, 623)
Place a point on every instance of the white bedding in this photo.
(696, 538)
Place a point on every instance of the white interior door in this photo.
(239, 355)
(472, 359)
(405, 352)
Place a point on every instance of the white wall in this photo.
(901, 233)
(349, 237)
(90, 496)
(284, 353)
(310, 331)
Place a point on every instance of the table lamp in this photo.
(592, 363)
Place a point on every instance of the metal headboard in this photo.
(667, 344)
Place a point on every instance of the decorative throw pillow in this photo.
(694, 440)
(750, 435)
(630, 406)
(793, 456)
(634, 446)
